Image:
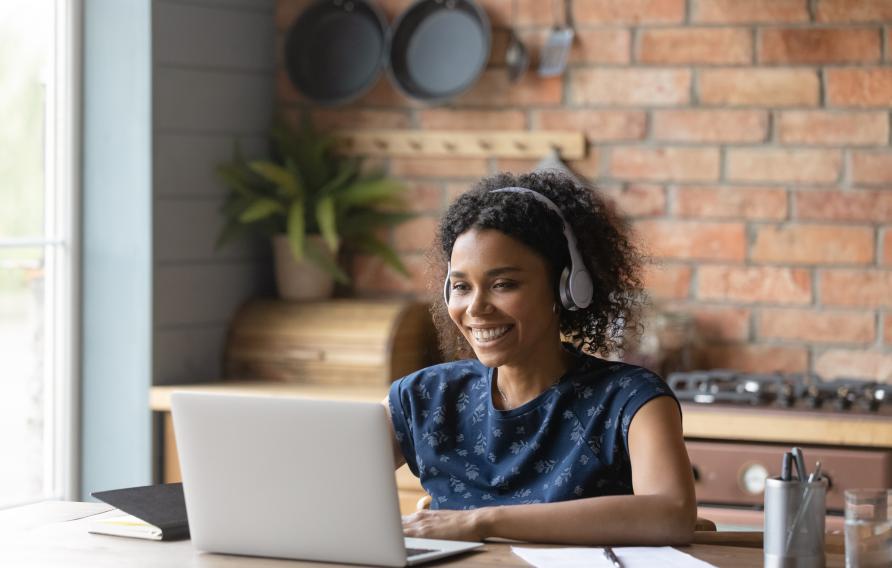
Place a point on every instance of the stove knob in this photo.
(752, 478)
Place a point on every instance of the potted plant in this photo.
(312, 203)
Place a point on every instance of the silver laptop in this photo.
(294, 478)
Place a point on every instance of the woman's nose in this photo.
(479, 304)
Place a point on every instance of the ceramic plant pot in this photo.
(303, 280)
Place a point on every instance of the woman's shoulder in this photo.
(452, 373)
(617, 375)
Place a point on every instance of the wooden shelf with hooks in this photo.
(460, 144)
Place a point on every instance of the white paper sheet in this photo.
(631, 557)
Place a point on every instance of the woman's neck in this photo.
(517, 384)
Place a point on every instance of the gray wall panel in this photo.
(195, 100)
(189, 355)
(185, 164)
(187, 294)
(189, 34)
(187, 229)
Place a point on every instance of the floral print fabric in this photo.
(570, 442)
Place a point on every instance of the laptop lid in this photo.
(289, 478)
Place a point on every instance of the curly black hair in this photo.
(604, 240)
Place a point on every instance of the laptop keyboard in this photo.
(416, 551)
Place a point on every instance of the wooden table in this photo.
(55, 533)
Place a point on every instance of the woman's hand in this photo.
(445, 524)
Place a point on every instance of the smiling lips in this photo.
(487, 335)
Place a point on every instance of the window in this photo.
(39, 83)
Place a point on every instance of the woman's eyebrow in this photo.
(490, 273)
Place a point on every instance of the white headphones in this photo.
(575, 287)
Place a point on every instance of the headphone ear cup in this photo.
(564, 290)
(446, 283)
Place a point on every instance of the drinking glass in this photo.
(868, 528)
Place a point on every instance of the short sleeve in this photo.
(644, 387)
(399, 401)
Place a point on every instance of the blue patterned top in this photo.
(569, 442)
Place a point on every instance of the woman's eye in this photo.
(459, 286)
(505, 285)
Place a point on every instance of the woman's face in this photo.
(501, 299)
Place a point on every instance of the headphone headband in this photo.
(575, 287)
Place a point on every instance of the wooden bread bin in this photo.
(344, 342)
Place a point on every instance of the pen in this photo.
(785, 466)
(613, 558)
(800, 464)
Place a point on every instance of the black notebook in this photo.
(156, 512)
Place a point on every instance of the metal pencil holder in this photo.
(794, 523)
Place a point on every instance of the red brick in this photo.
(768, 164)
(748, 11)
(601, 46)
(867, 288)
(813, 244)
(516, 165)
(833, 128)
(665, 164)
(731, 202)
(836, 363)
(415, 235)
(817, 327)
(754, 358)
(373, 278)
(498, 47)
(857, 205)
(667, 281)
(385, 94)
(357, 118)
(589, 166)
(493, 89)
(498, 11)
(859, 87)
(887, 248)
(535, 13)
(438, 167)
(628, 11)
(872, 167)
(453, 190)
(424, 197)
(653, 87)
(450, 119)
(597, 125)
(759, 87)
(754, 284)
(695, 45)
(637, 200)
(817, 46)
(716, 324)
(854, 10)
(287, 12)
(692, 239)
(887, 329)
(710, 125)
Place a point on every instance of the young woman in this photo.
(529, 437)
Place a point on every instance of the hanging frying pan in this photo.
(335, 50)
(438, 48)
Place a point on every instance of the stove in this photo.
(794, 390)
(730, 474)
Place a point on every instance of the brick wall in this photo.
(748, 140)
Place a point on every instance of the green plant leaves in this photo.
(375, 246)
(297, 229)
(278, 176)
(324, 260)
(325, 216)
(260, 209)
(372, 191)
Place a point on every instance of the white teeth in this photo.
(483, 335)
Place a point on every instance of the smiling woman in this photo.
(532, 436)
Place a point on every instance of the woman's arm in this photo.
(398, 459)
(662, 511)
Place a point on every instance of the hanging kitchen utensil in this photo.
(517, 58)
(439, 48)
(335, 50)
(553, 58)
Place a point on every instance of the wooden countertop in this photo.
(700, 421)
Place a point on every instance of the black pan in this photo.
(439, 48)
(336, 49)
